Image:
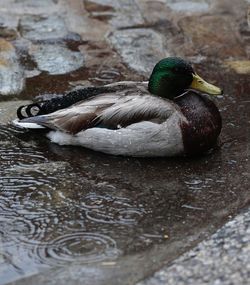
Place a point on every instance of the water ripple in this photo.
(112, 210)
(21, 156)
(28, 230)
(27, 182)
(82, 247)
(14, 152)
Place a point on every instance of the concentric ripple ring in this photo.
(80, 247)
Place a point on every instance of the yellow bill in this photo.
(201, 85)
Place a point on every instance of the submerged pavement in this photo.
(222, 259)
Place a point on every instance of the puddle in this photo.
(63, 206)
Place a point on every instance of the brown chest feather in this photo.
(204, 124)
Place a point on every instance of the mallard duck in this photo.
(167, 116)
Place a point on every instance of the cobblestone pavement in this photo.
(58, 37)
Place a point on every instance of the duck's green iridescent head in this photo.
(172, 76)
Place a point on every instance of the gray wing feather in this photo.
(133, 109)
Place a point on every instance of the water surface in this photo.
(65, 207)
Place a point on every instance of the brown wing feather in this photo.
(110, 110)
(75, 124)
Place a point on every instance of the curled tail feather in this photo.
(54, 104)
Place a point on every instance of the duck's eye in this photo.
(175, 69)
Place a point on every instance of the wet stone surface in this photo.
(139, 48)
(223, 259)
(56, 59)
(189, 6)
(42, 28)
(73, 216)
(11, 73)
(119, 13)
(8, 109)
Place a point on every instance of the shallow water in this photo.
(63, 206)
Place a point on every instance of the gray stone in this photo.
(140, 49)
(222, 259)
(11, 73)
(188, 5)
(37, 4)
(29, 7)
(8, 21)
(56, 59)
(128, 14)
(35, 27)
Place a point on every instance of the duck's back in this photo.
(59, 102)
